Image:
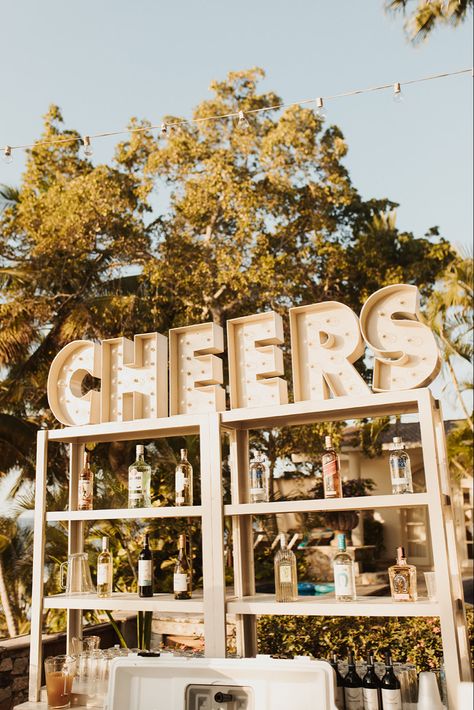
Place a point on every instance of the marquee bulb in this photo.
(320, 110)
(397, 93)
(7, 154)
(243, 123)
(86, 142)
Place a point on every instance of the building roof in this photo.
(409, 431)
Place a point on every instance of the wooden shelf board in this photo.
(339, 408)
(127, 602)
(323, 606)
(325, 505)
(188, 511)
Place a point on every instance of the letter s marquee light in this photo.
(326, 340)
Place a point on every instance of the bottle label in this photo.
(102, 573)
(135, 483)
(391, 699)
(85, 492)
(398, 470)
(180, 480)
(371, 698)
(180, 582)
(339, 697)
(256, 491)
(401, 590)
(344, 580)
(144, 573)
(354, 698)
(285, 574)
(330, 476)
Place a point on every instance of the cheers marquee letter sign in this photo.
(326, 340)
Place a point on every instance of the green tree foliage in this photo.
(425, 16)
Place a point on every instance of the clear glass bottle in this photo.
(182, 584)
(344, 573)
(85, 493)
(286, 579)
(105, 571)
(390, 687)
(259, 473)
(331, 465)
(403, 579)
(184, 480)
(353, 686)
(400, 467)
(139, 481)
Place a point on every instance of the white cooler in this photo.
(177, 683)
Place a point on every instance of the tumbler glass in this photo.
(430, 580)
(59, 671)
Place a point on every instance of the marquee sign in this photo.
(326, 340)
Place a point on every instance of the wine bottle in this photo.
(184, 480)
(344, 574)
(139, 481)
(104, 571)
(400, 468)
(286, 583)
(85, 492)
(353, 686)
(339, 689)
(331, 465)
(402, 578)
(182, 586)
(145, 570)
(259, 473)
(390, 687)
(371, 687)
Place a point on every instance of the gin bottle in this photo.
(400, 468)
(184, 480)
(139, 481)
(403, 579)
(332, 482)
(85, 493)
(344, 575)
(104, 571)
(286, 582)
(259, 473)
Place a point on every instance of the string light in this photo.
(397, 93)
(86, 142)
(164, 129)
(320, 110)
(240, 115)
(7, 155)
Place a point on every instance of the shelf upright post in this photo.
(38, 567)
(75, 535)
(242, 540)
(446, 565)
(212, 528)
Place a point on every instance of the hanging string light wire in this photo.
(319, 101)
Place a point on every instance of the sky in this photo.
(103, 62)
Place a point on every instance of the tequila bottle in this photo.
(400, 468)
(182, 586)
(344, 575)
(286, 582)
(332, 482)
(403, 579)
(139, 481)
(104, 571)
(85, 493)
(259, 473)
(184, 480)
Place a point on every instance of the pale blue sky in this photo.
(104, 61)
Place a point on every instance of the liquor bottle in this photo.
(182, 586)
(339, 689)
(403, 579)
(353, 686)
(259, 473)
(400, 467)
(85, 495)
(390, 687)
(145, 570)
(184, 480)
(286, 582)
(332, 482)
(371, 687)
(139, 481)
(344, 574)
(105, 571)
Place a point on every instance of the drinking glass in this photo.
(59, 671)
(430, 581)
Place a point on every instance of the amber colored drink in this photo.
(58, 688)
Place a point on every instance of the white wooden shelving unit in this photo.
(244, 602)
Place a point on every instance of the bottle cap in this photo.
(105, 543)
(183, 453)
(181, 541)
(140, 449)
(283, 539)
(397, 439)
(86, 457)
(341, 542)
(327, 442)
(401, 553)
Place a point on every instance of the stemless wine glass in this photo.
(59, 672)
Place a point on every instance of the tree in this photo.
(426, 15)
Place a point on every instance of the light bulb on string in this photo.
(320, 110)
(86, 142)
(7, 155)
(164, 129)
(397, 93)
(242, 122)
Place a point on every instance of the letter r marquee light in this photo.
(326, 340)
